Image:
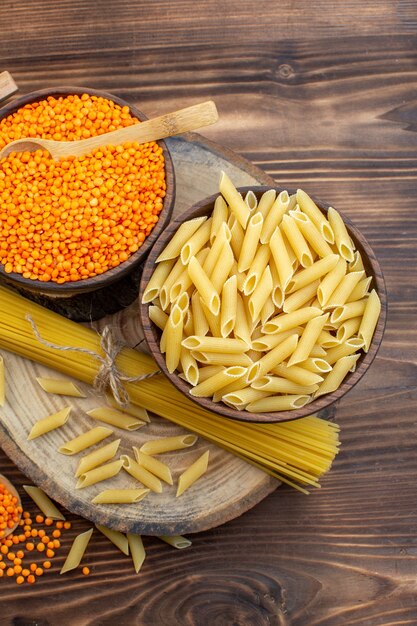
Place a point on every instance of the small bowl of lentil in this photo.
(72, 232)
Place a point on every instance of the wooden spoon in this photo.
(11, 488)
(181, 121)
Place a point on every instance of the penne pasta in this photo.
(266, 201)
(317, 351)
(118, 539)
(201, 326)
(301, 297)
(220, 358)
(236, 385)
(154, 466)
(237, 235)
(272, 358)
(194, 244)
(271, 404)
(308, 339)
(188, 327)
(204, 286)
(173, 276)
(2, 383)
(274, 216)
(330, 282)
(297, 241)
(44, 503)
(344, 289)
(220, 215)
(345, 312)
(85, 440)
(308, 206)
(241, 330)
(316, 364)
(212, 320)
(267, 312)
(45, 425)
(312, 273)
(77, 551)
(286, 321)
(207, 371)
(341, 235)
(174, 335)
(60, 387)
(176, 541)
(115, 417)
(282, 260)
(256, 269)
(361, 289)
(267, 342)
(235, 201)
(141, 474)
(131, 409)
(337, 375)
(349, 328)
(344, 349)
(189, 366)
(275, 384)
(136, 550)
(192, 473)
(357, 264)
(157, 316)
(97, 457)
(241, 398)
(251, 200)
(250, 242)
(215, 344)
(168, 444)
(222, 269)
(311, 234)
(98, 474)
(297, 374)
(120, 496)
(156, 281)
(369, 320)
(216, 382)
(261, 294)
(327, 340)
(186, 230)
(223, 236)
(228, 306)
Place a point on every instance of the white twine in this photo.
(108, 374)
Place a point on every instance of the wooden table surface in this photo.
(320, 95)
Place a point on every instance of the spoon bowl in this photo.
(13, 491)
(181, 121)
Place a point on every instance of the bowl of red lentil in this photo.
(71, 232)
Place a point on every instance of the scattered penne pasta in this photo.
(176, 541)
(120, 496)
(136, 550)
(115, 417)
(97, 457)
(192, 473)
(168, 444)
(98, 474)
(44, 503)
(85, 440)
(51, 422)
(118, 539)
(133, 468)
(60, 387)
(77, 551)
(131, 409)
(154, 466)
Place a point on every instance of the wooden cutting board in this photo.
(230, 487)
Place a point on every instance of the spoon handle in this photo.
(181, 121)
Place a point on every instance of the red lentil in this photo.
(76, 218)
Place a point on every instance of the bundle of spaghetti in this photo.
(297, 452)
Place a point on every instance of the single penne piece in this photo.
(297, 241)
(237, 235)
(156, 281)
(272, 358)
(154, 466)
(176, 541)
(194, 244)
(136, 550)
(228, 306)
(51, 422)
(165, 291)
(204, 286)
(308, 339)
(131, 409)
(291, 254)
(341, 235)
(189, 366)
(77, 550)
(344, 289)
(274, 216)
(117, 538)
(223, 236)
(286, 321)
(312, 273)
(278, 295)
(349, 328)
(97, 457)
(261, 294)
(337, 375)
(168, 444)
(301, 297)
(98, 474)
(44, 503)
(266, 201)
(141, 474)
(256, 269)
(157, 316)
(267, 311)
(370, 319)
(361, 289)
(267, 342)
(222, 358)
(250, 242)
(241, 330)
(357, 264)
(219, 215)
(292, 204)
(316, 364)
(235, 201)
(222, 270)
(308, 206)
(215, 344)
(270, 404)
(201, 326)
(345, 312)
(184, 283)
(317, 351)
(186, 230)
(311, 234)
(297, 374)
(174, 334)
(251, 200)
(60, 387)
(192, 473)
(212, 320)
(239, 399)
(344, 349)
(236, 385)
(115, 417)
(281, 259)
(207, 371)
(120, 496)
(188, 327)
(275, 384)
(85, 440)
(2, 383)
(216, 382)
(330, 282)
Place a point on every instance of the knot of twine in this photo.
(108, 376)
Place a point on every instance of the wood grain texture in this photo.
(320, 95)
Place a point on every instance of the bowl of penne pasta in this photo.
(262, 304)
(78, 225)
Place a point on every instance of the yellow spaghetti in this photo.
(297, 452)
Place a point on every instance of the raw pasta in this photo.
(85, 440)
(192, 473)
(77, 551)
(60, 387)
(44, 503)
(115, 417)
(45, 425)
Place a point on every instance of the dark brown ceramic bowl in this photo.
(152, 333)
(102, 281)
